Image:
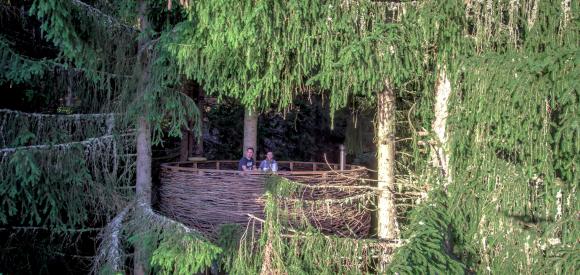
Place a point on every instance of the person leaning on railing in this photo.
(247, 163)
(269, 164)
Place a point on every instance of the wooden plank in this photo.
(198, 159)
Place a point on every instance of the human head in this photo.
(249, 152)
(270, 155)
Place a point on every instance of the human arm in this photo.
(242, 164)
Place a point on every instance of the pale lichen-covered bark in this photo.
(110, 249)
(566, 10)
(388, 227)
(440, 156)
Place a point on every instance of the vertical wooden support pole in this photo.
(342, 157)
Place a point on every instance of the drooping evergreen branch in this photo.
(71, 116)
(41, 131)
(110, 250)
(21, 69)
(72, 178)
(35, 228)
(92, 45)
(110, 20)
(170, 246)
(62, 146)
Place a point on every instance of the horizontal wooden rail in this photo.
(295, 167)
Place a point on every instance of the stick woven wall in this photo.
(205, 195)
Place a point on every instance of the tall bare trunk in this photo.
(184, 145)
(143, 184)
(440, 156)
(187, 143)
(388, 227)
(198, 143)
(250, 129)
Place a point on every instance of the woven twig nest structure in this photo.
(207, 194)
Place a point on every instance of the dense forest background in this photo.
(465, 112)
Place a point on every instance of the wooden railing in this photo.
(284, 167)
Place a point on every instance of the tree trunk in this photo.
(198, 143)
(184, 145)
(250, 129)
(440, 155)
(189, 145)
(388, 227)
(143, 184)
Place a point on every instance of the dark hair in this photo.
(250, 148)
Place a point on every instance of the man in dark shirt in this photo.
(247, 163)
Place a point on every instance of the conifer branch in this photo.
(109, 19)
(110, 249)
(61, 145)
(68, 116)
(44, 228)
(46, 64)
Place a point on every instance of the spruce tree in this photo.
(486, 93)
(107, 56)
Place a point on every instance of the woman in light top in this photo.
(269, 164)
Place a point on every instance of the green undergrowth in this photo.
(288, 243)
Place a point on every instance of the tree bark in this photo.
(184, 145)
(388, 227)
(198, 143)
(250, 129)
(143, 184)
(440, 155)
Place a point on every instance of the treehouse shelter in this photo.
(208, 194)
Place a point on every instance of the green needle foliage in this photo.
(267, 52)
(287, 242)
(178, 254)
(430, 238)
(35, 147)
(513, 124)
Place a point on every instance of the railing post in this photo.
(342, 157)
